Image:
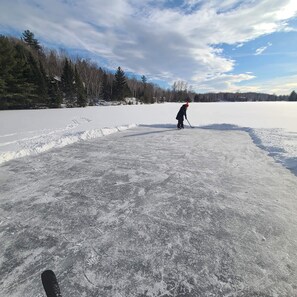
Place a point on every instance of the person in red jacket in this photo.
(181, 114)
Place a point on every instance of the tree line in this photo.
(32, 76)
(238, 97)
(35, 77)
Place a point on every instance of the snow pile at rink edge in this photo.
(44, 143)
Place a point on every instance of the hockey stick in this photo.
(50, 284)
(189, 124)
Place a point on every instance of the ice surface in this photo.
(150, 211)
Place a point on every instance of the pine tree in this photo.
(80, 90)
(21, 90)
(293, 96)
(144, 95)
(43, 84)
(120, 87)
(55, 94)
(28, 37)
(105, 90)
(35, 74)
(7, 64)
(127, 92)
(144, 80)
(67, 82)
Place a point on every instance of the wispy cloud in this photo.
(260, 50)
(154, 37)
(222, 82)
(280, 85)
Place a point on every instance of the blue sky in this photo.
(213, 45)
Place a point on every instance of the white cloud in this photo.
(260, 50)
(222, 82)
(229, 83)
(145, 36)
(279, 86)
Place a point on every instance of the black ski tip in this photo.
(50, 284)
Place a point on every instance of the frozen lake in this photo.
(272, 125)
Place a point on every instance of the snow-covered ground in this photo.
(272, 125)
(150, 211)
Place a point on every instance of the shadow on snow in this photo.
(166, 127)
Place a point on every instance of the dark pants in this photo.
(180, 124)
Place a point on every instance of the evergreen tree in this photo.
(67, 82)
(80, 90)
(20, 89)
(120, 87)
(55, 94)
(105, 90)
(144, 80)
(35, 74)
(293, 96)
(28, 37)
(127, 91)
(144, 95)
(7, 64)
(43, 84)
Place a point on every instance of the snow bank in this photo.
(45, 142)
